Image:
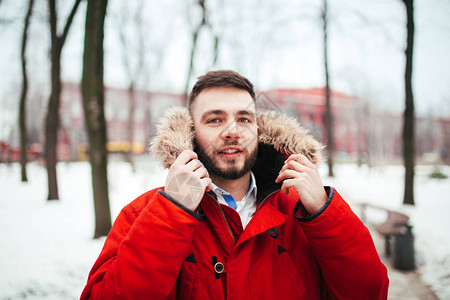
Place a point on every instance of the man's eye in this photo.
(213, 121)
(244, 120)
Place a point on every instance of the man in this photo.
(243, 214)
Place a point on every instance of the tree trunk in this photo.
(131, 123)
(191, 64)
(195, 34)
(133, 71)
(52, 118)
(52, 124)
(216, 50)
(23, 96)
(328, 113)
(408, 125)
(93, 104)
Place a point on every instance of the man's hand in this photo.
(187, 180)
(303, 176)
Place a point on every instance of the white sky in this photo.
(273, 45)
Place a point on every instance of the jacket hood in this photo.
(279, 137)
(174, 134)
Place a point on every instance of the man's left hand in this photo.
(303, 176)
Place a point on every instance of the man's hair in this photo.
(222, 78)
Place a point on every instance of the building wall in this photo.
(148, 107)
(307, 106)
(360, 134)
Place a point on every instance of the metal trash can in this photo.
(403, 249)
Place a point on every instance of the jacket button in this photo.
(219, 267)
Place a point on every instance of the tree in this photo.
(195, 33)
(328, 113)
(134, 70)
(93, 104)
(52, 118)
(23, 95)
(408, 120)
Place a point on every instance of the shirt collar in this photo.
(251, 190)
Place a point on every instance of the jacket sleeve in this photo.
(144, 252)
(345, 251)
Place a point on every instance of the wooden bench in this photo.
(395, 223)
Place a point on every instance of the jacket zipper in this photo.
(267, 197)
(225, 218)
(226, 222)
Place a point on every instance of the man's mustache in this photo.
(212, 148)
(230, 143)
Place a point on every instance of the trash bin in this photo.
(403, 249)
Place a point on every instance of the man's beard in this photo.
(229, 172)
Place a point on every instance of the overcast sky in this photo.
(275, 44)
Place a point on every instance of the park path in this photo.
(402, 284)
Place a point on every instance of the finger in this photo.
(193, 165)
(286, 185)
(301, 159)
(201, 173)
(294, 165)
(206, 184)
(185, 157)
(288, 174)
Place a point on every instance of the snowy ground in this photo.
(47, 250)
(429, 217)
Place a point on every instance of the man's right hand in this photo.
(187, 180)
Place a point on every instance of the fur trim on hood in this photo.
(174, 134)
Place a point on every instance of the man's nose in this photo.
(231, 131)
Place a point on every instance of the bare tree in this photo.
(23, 96)
(445, 128)
(408, 125)
(408, 135)
(328, 113)
(195, 34)
(52, 119)
(134, 71)
(93, 104)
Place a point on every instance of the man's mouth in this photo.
(230, 151)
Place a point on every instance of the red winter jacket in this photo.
(157, 249)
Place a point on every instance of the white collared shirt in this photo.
(246, 208)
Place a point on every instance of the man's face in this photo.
(226, 133)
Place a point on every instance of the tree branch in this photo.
(52, 8)
(371, 22)
(62, 39)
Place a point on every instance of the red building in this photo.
(308, 106)
(359, 133)
(148, 106)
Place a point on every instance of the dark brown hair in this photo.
(221, 78)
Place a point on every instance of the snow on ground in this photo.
(430, 216)
(47, 250)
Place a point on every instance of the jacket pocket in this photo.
(286, 280)
(186, 278)
(274, 275)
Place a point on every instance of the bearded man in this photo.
(243, 214)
